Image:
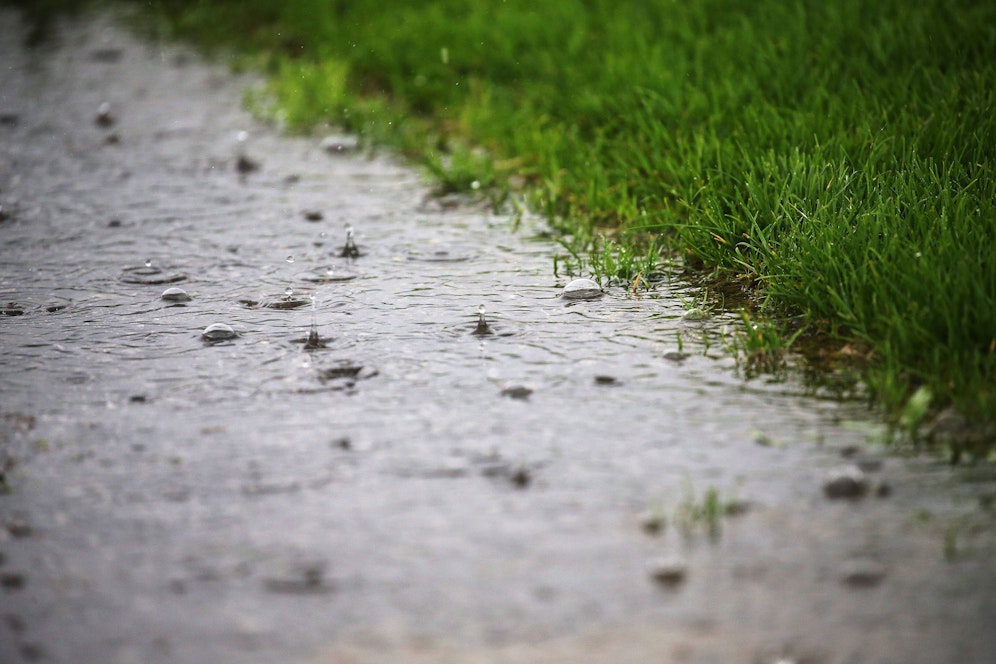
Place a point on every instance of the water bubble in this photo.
(582, 289)
(105, 118)
(218, 332)
(148, 262)
(175, 294)
(290, 259)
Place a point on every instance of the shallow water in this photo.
(394, 496)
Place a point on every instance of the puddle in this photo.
(470, 456)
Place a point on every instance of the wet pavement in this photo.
(400, 489)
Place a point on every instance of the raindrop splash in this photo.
(482, 328)
(314, 341)
(350, 250)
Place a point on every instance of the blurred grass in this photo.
(834, 158)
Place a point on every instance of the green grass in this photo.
(833, 158)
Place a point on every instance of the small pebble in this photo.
(675, 356)
(313, 215)
(606, 380)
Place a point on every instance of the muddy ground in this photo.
(566, 489)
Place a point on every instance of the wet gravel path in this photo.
(558, 491)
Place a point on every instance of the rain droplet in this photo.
(350, 250)
(148, 262)
(482, 324)
(314, 341)
(290, 259)
(242, 136)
